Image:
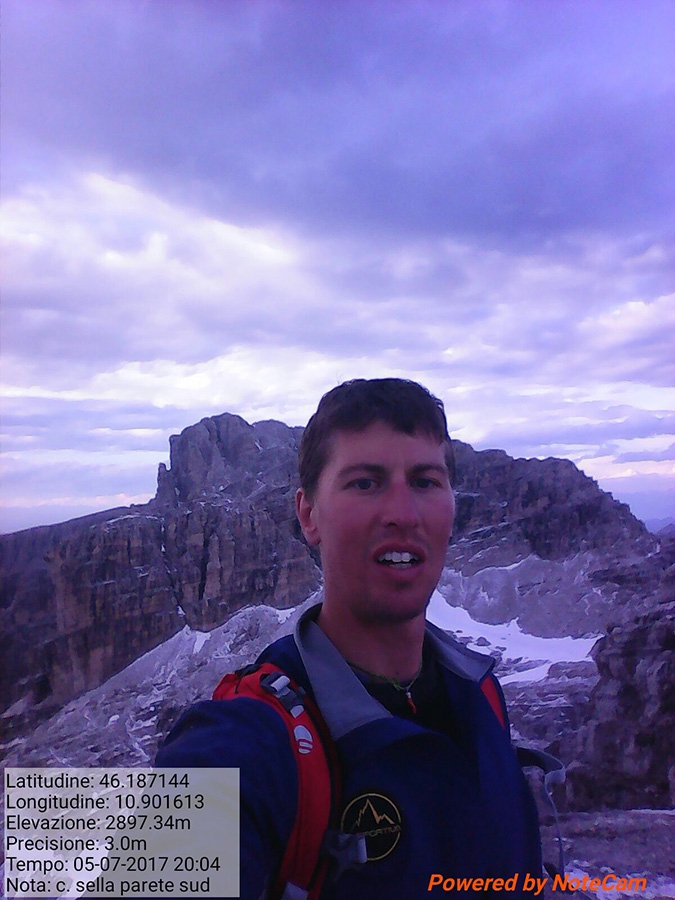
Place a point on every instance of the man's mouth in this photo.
(399, 559)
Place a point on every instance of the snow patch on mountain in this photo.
(122, 721)
(522, 656)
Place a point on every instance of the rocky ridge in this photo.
(535, 540)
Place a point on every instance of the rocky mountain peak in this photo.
(225, 457)
(548, 503)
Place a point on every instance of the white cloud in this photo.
(606, 469)
(630, 323)
(104, 269)
(478, 198)
(122, 297)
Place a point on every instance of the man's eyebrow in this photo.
(373, 468)
(377, 469)
(441, 468)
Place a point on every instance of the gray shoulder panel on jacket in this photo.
(343, 700)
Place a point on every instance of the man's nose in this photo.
(400, 506)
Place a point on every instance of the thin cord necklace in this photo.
(403, 686)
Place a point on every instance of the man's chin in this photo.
(394, 611)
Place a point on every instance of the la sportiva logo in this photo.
(378, 819)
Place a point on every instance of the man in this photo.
(428, 773)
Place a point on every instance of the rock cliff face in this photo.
(626, 748)
(537, 540)
(225, 458)
(78, 601)
(612, 719)
(547, 507)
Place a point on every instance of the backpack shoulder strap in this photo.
(493, 693)
(553, 768)
(303, 867)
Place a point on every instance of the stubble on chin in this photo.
(390, 612)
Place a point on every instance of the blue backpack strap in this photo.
(305, 861)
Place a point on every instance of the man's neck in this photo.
(388, 649)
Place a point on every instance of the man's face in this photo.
(382, 517)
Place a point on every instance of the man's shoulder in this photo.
(284, 654)
(217, 733)
(456, 657)
(212, 729)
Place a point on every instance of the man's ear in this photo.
(305, 512)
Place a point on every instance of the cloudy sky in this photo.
(214, 206)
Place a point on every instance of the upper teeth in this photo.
(395, 556)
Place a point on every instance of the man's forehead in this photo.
(379, 442)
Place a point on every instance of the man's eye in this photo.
(364, 484)
(425, 483)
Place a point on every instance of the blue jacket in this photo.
(452, 804)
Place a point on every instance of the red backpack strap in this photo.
(494, 696)
(303, 865)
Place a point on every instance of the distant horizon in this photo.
(39, 517)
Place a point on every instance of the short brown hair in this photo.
(405, 406)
